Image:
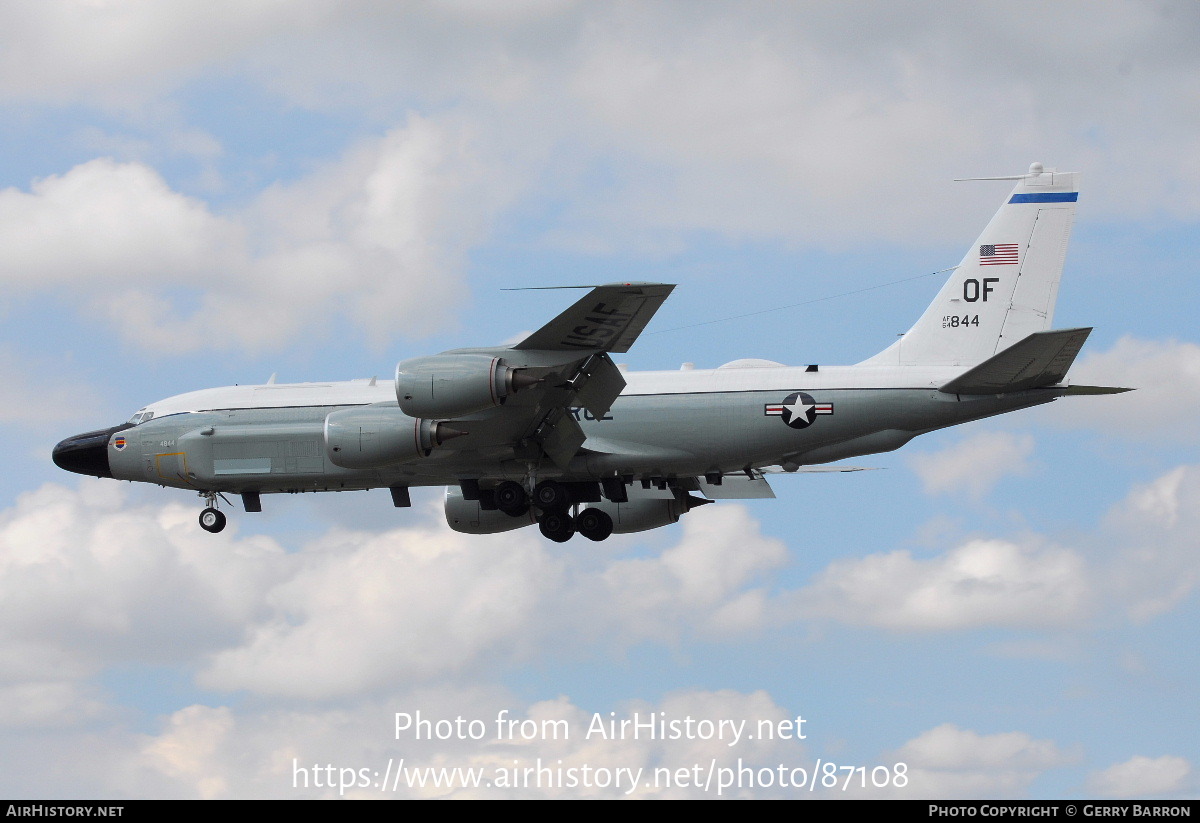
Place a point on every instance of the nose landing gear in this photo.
(211, 519)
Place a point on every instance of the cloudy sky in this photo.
(197, 194)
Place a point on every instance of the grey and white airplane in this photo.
(551, 431)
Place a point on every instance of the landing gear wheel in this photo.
(594, 524)
(520, 511)
(511, 498)
(212, 520)
(556, 526)
(551, 496)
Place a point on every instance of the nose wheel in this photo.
(212, 520)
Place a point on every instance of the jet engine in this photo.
(453, 385)
(466, 516)
(374, 436)
(642, 513)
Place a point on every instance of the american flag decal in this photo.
(1000, 254)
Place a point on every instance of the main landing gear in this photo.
(554, 502)
(560, 527)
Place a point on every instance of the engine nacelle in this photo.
(641, 515)
(375, 436)
(644, 512)
(466, 516)
(453, 385)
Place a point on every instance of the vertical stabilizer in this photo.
(1005, 288)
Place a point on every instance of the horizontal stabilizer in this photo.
(1041, 359)
(1096, 390)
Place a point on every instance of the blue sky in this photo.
(200, 194)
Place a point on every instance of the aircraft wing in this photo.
(569, 360)
(607, 319)
(751, 486)
(743, 486)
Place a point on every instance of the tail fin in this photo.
(1005, 288)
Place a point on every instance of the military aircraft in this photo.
(551, 431)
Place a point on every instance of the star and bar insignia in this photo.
(798, 410)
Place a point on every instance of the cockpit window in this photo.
(140, 417)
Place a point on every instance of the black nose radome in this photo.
(87, 453)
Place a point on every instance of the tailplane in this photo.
(1041, 359)
(1005, 288)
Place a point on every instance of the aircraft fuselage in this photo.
(666, 424)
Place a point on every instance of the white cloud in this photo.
(974, 465)
(92, 581)
(1155, 529)
(948, 761)
(188, 748)
(981, 583)
(1143, 559)
(1166, 376)
(122, 53)
(366, 610)
(32, 399)
(789, 121)
(377, 239)
(813, 125)
(1142, 776)
(49, 704)
(89, 581)
(111, 226)
(708, 575)
(217, 752)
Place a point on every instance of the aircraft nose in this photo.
(86, 453)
